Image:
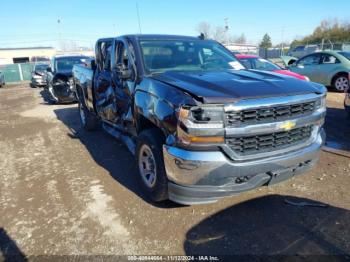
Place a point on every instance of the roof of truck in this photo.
(160, 36)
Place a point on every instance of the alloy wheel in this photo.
(147, 166)
(341, 83)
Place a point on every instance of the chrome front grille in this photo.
(268, 114)
(247, 145)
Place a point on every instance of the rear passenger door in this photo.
(328, 67)
(104, 90)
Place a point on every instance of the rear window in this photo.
(67, 63)
(345, 54)
(41, 67)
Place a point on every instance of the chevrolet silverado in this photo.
(201, 126)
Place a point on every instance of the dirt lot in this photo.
(65, 191)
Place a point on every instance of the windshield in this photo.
(41, 67)
(259, 64)
(345, 54)
(186, 55)
(67, 63)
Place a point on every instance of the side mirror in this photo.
(93, 64)
(49, 69)
(123, 73)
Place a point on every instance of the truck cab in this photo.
(200, 125)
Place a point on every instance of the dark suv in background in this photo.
(59, 77)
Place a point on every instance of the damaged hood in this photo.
(232, 85)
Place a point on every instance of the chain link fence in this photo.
(301, 50)
(17, 72)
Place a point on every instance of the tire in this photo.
(52, 98)
(152, 140)
(340, 83)
(87, 119)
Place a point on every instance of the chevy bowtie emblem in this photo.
(287, 125)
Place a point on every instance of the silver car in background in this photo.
(39, 75)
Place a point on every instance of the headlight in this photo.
(307, 79)
(321, 103)
(202, 124)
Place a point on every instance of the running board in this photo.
(120, 136)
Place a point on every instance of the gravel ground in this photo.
(64, 191)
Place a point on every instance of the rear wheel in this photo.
(152, 175)
(340, 83)
(87, 119)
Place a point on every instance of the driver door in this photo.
(124, 87)
(308, 66)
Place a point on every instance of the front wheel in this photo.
(340, 83)
(152, 175)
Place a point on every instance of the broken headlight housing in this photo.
(201, 125)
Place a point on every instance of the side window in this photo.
(107, 56)
(123, 58)
(246, 63)
(122, 55)
(104, 55)
(310, 60)
(329, 59)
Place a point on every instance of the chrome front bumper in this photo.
(202, 177)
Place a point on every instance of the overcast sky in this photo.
(34, 23)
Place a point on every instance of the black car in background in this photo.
(2, 79)
(39, 75)
(59, 78)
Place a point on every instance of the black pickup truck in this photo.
(200, 125)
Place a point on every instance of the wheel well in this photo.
(339, 74)
(143, 123)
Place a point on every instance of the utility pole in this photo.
(114, 29)
(59, 32)
(138, 16)
(282, 42)
(226, 29)
(226, 24)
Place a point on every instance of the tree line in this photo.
(328, 30)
